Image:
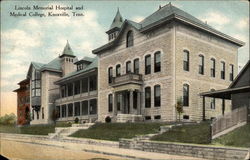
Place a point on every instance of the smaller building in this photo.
(23, 102)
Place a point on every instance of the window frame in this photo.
(213, 67)
(157, 99)
(186, 60)
(147, 97)
(147, 66)
(157, 65)
(201, 66)
(110, 103)
(223, 70)
(185, 95)
(128, 67)
(110, 74)
(136, 70)
(130, 39)
(118, 66)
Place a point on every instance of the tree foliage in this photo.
(8, 119)
(179, 107)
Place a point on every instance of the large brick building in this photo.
(140, 73)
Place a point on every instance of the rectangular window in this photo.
(157, 96)
(58, 111)
(85, 85)
(118, 70)
(77, 108)
(185, 116)
(186, 60)
(85, 108)
(110, 109)
(63, 91)
(157, 117)
(201, 64)
(147, 97)
(157, 60)
(148, 64)
(222, 70)
(212, 67)
(64, 114)
(147, 117)
(93, 106)
(76, 87)
(128, 67)
(136, 66)
(212, 103)
(38, 92)
(70, 109)
(110, 74)
(92, 83)
(185, 95)
(231, 72)
(42, 113)
(70, 89)
(119, 102)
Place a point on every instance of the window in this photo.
(201, 64)
(118, 70)
(42, 113)
(119, 96)
(135, 100)
(130, 39)
(93, 106)
(147, 117)
(128, 67)
(222, 70)
(85, 85)
(157, 117)
(231, 72)
(212, 67)
(147, 97)
(110, 74)
(77, 108)
(148, 64)
(110, 99)
(212, 103)
(37, 115)
(70, 89)
(136, 66)
(36, 83)
(63, 91)
(157, 61)
(64, 110)
(157, 95)
(186, 60)
(85, 108)
(92, 83)
(76, 87)
(70, 110)
(185, 116)
(58, 111)
(33, 114)
(185, 95)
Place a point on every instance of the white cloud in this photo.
(137, 18)
(243, 23)
(215, 18)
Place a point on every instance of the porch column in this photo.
(73, 109)
(223, 106)
(114, 103)
(121, 103)
(60, 107)
(203, 108)
(138, 102)
(131, 101)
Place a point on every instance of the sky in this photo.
(32, 38)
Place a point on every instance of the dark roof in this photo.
(117, 22)
(240, 74)
(164, 14)
(54, 65)
(25, 81)
(72, 75)
(85, 59)
(67, 51)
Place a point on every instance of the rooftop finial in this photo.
(170, 3)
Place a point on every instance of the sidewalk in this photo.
(113, 151)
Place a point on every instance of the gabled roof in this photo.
(243, 70)
(67, 51)
(117, 22)
(167, 13)
(37, 65)
(91, 67)
(54, 65)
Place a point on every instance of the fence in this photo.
(229, 120)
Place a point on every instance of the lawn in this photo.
(32, 129)
(114, 131)
(237, 138)
(192, 133)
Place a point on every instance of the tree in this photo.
(8, 119)
(55, 115)
(179, 107)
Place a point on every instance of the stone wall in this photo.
(200, 151)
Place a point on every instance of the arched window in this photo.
(147, 97)
(128, 67)
(130, 39)
(212, 102)
(136, 66)
(212, 67)
(118, 70)
(157, 61)
(186, 60)
(185, 95)
(222, 70)
(201, 64)
(110, 74)
(157, 95)
(110, 99)
(148, 64)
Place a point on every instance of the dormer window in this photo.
(130, 39)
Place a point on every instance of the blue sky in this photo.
(26, 39)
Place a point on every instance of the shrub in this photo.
(107, 119)
(76, 120)
(8, 119)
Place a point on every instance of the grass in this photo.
(63, 124)
(115, 131)
(237, 138)
(192, 133)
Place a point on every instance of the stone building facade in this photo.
(167, 56)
